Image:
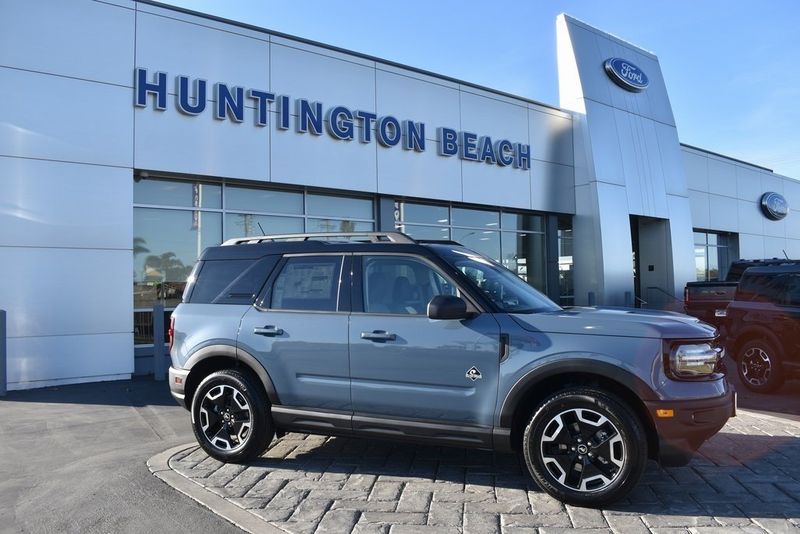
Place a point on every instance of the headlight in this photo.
(687, 360)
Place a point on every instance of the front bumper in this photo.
(177, 383)
(692, 423)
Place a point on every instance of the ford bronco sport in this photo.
(379, 335)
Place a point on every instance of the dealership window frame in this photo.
(725, 247)
(142, 315)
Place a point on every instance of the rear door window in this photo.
(309, 283)
(230, 281)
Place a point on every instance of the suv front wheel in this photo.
(759, 366)
(230, 417)
(584, 447)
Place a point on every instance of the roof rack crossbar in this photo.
(372, 237)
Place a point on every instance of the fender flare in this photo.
(216, 350)
(567, 366)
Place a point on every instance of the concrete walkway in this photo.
(746, 479)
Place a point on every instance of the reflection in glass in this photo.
(476, 218)
(424, 232)
(175, 193)
(264, 200)
(486, 242)
(166, 245)
(524, 255)
(520, 221)
(342, 207)
(566, 282)
(334, 225)
(422, 213)
(247, 224)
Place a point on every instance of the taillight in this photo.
(171, 332)
(686, 295)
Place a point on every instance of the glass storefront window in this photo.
(416, 231)
(172, 193)
(248, 224)
(336, 225)
(263, 200)
(476, 218)
(713, 254)
(486, 242)
(566, 282)
(166, 245)
(521, 221)
(339, 207)
(422, 213)
(523, 255)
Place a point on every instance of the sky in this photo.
(732, 67)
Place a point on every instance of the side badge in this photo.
(473, 374)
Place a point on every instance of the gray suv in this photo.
(379, 335)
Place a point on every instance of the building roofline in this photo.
(726, 157)
(347, 52)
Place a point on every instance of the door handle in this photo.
(268, 330)
(378, 335)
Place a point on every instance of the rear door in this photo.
(787, 325)
(407, 366)
(298, 331)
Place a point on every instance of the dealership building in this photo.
(134, 134)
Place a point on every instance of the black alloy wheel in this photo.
(230, 417)
(585, 447)
(759, 366)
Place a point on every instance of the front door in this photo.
(300, 333)
(405, 365)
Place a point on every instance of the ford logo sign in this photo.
(774, 206)
(627, 75)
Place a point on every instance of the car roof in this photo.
(787, 267)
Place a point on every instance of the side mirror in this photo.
(447, 307)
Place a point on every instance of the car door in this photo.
(404, 365)
(298, 331)
(787, 324)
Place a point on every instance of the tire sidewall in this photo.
(261, 427)
(776, 375)
(630, 429)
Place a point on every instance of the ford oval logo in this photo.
(774, 206)
(627, 75)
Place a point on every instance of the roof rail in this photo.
(372, 237)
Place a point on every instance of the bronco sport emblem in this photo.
(473, 374)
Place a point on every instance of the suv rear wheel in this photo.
(584, 447)
(230, 418)
(759, 366)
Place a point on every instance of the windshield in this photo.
(506, 290)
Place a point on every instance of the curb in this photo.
(159, 466)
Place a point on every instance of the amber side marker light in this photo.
(179, 380)
(665, 413)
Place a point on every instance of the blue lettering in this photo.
(469, 146)
(366, 119)
(487, 152)
(230, 104)
(309, 116)
(262, 99)
(143, 88)
(522, 157)
(340, 122)
(388, 136)
(184, 105)
(414, 136)
(283, 112)
(448, 142)
(504, 151)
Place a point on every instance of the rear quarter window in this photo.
(230, 281)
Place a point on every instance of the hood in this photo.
(627, 322)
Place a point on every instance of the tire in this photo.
(230, 417)
(758, 364)
(608, 445)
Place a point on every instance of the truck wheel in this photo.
(230, 417)
(759, 366)
(584, 447)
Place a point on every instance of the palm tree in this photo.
(139, 246)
